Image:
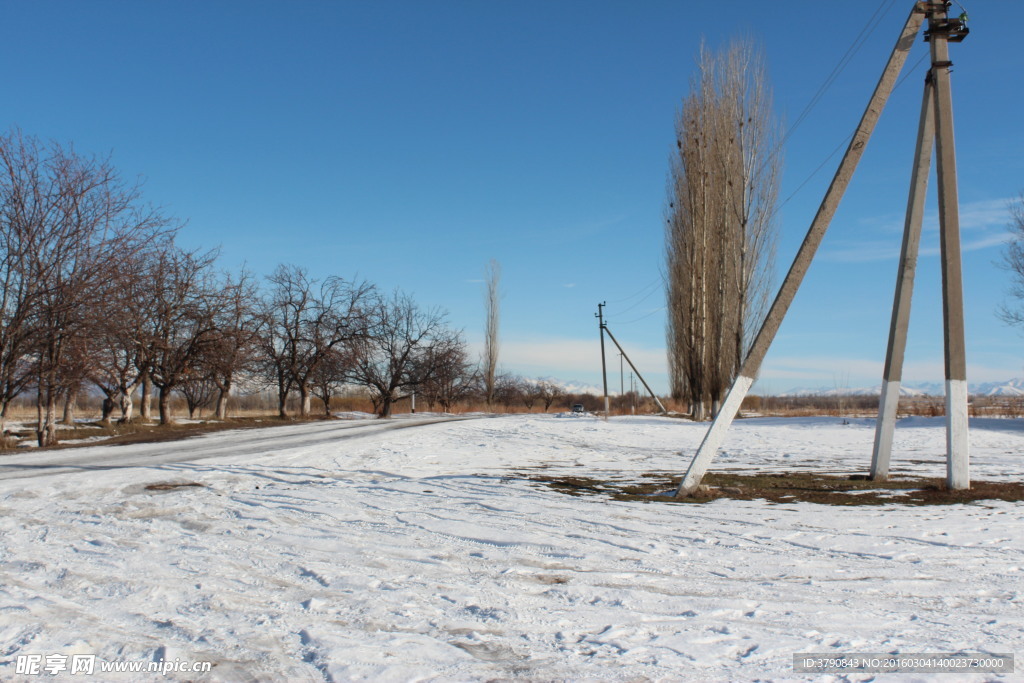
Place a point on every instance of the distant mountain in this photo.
(570, 386)
(1012, 387)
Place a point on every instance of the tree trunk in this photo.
(222, 401)
(47, 413)
(282, 396)
(146, 409)
(385, 406)
(126, 407)
(303, 400)
(106, 410)
(69, 408)
(165, 406)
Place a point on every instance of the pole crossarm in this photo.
(716, 434)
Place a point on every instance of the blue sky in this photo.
(409, 143)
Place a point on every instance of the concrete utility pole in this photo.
(893, 373)
(604, 368)
(752, 364)
(940, 31)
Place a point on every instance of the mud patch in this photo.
(796, 487)
(171, 486)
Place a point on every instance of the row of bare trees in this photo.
(96, 294)
(719, 237)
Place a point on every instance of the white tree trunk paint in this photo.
(958, 457)
(715, 437)
(882, 453)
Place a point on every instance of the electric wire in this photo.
(645, 298)
(840, 66)
(647, 315)
(640, 291)
(845, 141)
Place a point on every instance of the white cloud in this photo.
(983, 224)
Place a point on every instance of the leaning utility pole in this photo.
(623, 352)
(940, 30)
(604, 369)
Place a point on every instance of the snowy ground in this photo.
(359, 551)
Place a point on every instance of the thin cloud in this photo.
(983, 225)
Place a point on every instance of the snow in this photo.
(418, 549)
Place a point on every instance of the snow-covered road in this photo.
(426, 554)
(216, 445)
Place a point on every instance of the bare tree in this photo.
(492, 306)
(23, 206)
(449, 376)
(330, 374)
(391, 357)
(720, 237)
(76, 221)
(199, 391)
(1013, 261)
(235, 347)
(121, 336)
(509, 389)
(549, 392)
(303, 322)
(185, 303)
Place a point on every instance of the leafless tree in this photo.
(492, 306)
(303, 321)
(236, 344)
(549, 392)
(720, 236)
(185, 303)
(199, 391)
(121, 335)
(23, 205)
(330, 375)
(449, 376)
(390, 358)
(73, 221)
(509, 389)
(1013, 261)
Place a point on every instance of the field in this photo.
(418, 549)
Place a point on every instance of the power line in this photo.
(643, 289)
(648, 315)
(844, 142)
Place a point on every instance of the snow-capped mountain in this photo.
(1011, 387)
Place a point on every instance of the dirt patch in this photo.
(170, 486)
(798, 487)
(147, 432)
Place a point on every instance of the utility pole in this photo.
(623, 352)
(893, 373)
(622, 387)
(716, 434)
(940, 31)
(604, 369)
(632, 394)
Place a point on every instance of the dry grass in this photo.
(146, 432)
(787, 488)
